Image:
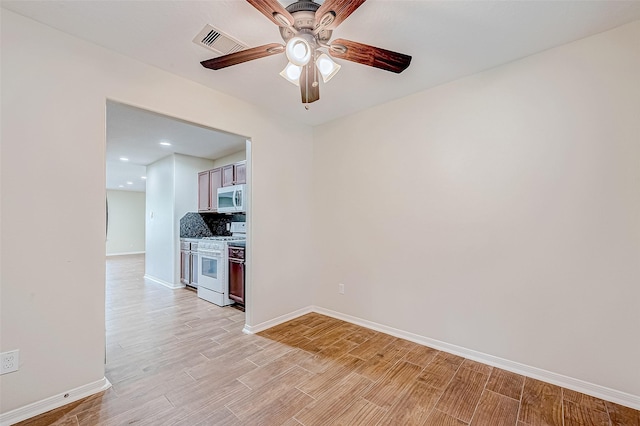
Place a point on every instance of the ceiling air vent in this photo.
(214, 39)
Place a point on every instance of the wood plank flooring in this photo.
(174, 359)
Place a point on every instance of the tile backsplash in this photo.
(199, 225)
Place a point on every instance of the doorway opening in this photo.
(155, 201)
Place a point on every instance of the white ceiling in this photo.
(136, 134)
(447, 39)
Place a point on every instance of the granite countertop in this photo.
(237, 243)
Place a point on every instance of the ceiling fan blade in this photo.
(309, 86)
(243, 56)
(341, 8)
(369, 55)
(274, 10)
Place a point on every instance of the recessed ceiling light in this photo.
(120, 186)
(143, 177)
(124, 159)
(164, 143)
(129, 183)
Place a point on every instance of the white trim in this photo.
(53, 402)
(125, 253)
(163, 282)
(252, 329)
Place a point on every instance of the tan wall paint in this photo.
(500, 212)
(53, 121)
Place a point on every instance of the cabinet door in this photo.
(193, 270)
(204, 192)
(240, 173)
(236, 281)
(185, 267)
(215, 182)
(227, 175)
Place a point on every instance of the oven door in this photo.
(211, 270)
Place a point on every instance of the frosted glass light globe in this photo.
(298, 51)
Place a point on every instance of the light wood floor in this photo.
(175, 359)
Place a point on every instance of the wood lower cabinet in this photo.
(237, 275)
(189, 263)
(185, 267)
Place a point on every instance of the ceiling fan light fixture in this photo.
(298, 51)
(327, 67)
(292, 73)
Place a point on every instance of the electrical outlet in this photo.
(9, 361)
(341, 288)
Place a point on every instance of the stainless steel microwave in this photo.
(231, 199)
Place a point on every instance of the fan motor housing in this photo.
(304, 15)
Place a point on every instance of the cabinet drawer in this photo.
(236, 253)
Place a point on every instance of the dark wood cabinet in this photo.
(210, 180)
(208, 183)
(215, 182)
(237, 275)
(234, 174)
(204, 191)
(240, 171)
(228, 175)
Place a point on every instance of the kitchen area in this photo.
(191, 191)
(213, 240)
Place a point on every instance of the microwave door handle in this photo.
(238, 198)
(235, 197)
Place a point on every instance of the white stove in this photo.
(213, 268)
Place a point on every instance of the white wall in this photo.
(53, 154)
(126, 222)
(160, 218)
(500, 212)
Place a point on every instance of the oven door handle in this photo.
(210, 253)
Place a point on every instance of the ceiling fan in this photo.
(306, 28)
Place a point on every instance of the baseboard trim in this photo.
(163, 282)
(125, 253)
(53, 402)
(248, 329)
(598, 391)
